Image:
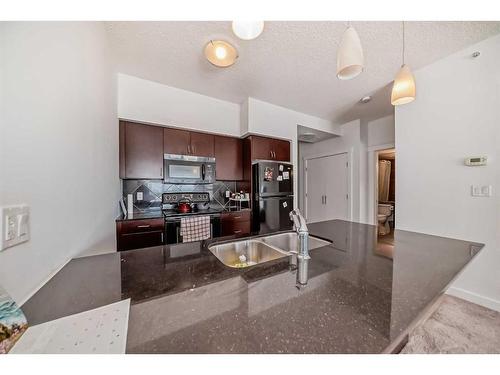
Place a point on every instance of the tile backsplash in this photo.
(152, 191)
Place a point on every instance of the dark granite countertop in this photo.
(359, 298)
(141, 215)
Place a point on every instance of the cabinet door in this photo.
(176, 141)
(281, 150)
(261, 148)
(202, 144)
(228, 158)
(143, 151)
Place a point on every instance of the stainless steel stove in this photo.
(199, 203)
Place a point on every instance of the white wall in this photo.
(456, 114)
(381, 131)
(58, 145)
(357, 138)
(146, 101)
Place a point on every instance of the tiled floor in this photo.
(385, 244)
(458, 327)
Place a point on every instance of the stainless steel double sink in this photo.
(246, 253)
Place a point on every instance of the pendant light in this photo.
(350, 59)
(403, 89)
(247, 30)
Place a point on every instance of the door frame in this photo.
(349, 179)
(373, 152)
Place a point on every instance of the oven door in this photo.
(173, 229)
(184, 169)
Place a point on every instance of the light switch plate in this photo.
(140, 196)
(481, 190)
(15, 225)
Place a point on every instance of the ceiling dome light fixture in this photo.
(247, 30)
(350, 59)
(220, 53)
(403, 89)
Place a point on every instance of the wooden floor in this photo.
(457, 327)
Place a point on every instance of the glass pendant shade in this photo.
(350, 59)
(247, 30)
(403, 89)
(220, 53)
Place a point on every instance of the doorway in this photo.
(386, 199)
(327, 188)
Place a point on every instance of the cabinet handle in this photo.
(237, 231)
(161, 238)
(143, 226)
(161, 172)
(237, 217)
(189, 149)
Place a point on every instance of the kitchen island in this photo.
(184, 300)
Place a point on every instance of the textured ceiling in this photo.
(291, 64)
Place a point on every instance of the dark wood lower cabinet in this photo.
(237, 222)
(136, 234)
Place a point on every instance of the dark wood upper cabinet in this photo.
(261, 148)
(176, 141)
(141, 151)
(202, 144)
(281, 150)
(229, 158)
(269, 148)
(184, 142)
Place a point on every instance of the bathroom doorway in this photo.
(386, 199)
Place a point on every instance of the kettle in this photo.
(184, 206)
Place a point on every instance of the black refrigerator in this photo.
(272, 196)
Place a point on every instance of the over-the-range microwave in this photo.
(187, 169)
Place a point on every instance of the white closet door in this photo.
(327, 188)
(315, 190)
(336, 187)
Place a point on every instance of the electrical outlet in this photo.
(228, 194)
(140, 196)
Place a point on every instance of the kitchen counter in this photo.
(184, 300)
(141, 215)
(157, 214)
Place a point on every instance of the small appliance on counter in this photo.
(179, 205)
(272, 197)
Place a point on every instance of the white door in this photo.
(315, 193)
(327, 188)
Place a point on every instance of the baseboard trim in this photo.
(478, 299)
